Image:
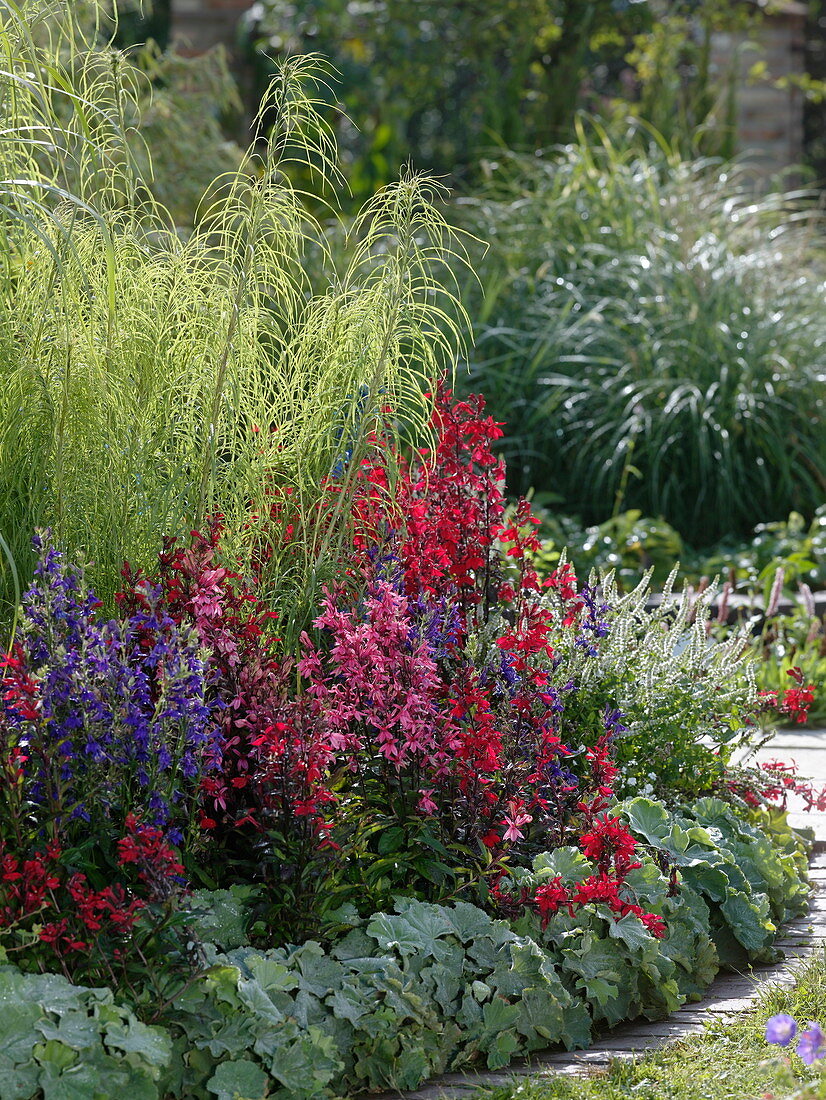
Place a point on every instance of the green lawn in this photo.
(729, 1061)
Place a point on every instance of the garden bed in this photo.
(319, 774)
(404, 997)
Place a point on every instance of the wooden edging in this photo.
(728, 995)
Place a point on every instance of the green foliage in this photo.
(680, 94)
(445, 85)
(628, 544)
(651, 330)
(408, 994)
(686, 699)
(632, 547)
(793, 544)
(221, 917)
(403, 852)
(794, 641)
(403, 995)
(142, 20)
(728, 1060)
(440, 84)
(617, 966)
(750, 885)
(65, 1042)
(399, 998)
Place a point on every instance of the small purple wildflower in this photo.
(781, 1029)
(812, 1043)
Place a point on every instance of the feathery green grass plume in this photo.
(148, 382)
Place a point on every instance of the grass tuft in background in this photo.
(652, 329)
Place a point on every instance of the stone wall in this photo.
(769, 119)
(199, 24)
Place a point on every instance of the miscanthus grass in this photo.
(652, 328)
(150, 379)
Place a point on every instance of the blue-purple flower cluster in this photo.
(593, 623)
(123, 725)
(435, 620)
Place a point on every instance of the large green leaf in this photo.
(541, 1018)
(712, 881)
(349, 1004)
(51, 991)
(502, 1049)
(445, 983)
(471, 923)
(633, 934)
(576, 1030)
(17, 1026)
(239, 1080)
(76, 1030)
(81, 1082)
(415, 931)
(749, 920)
(18, 1080)
(221, 918)
(307, 1065)
(567, 863)
(649, 819)
(272, 974)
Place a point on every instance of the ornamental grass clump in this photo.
(651, 328)
(152, 379)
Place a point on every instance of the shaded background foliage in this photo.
(446, 84)
(441, 83)
(139, 22)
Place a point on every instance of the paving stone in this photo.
(432, 1092)
(729, 1006)
(467, 1082)
(553, 1058)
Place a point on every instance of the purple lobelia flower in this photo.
(812, 1043)
(780, 1029)
(122, 725)
(613, 721)
(594, 623)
